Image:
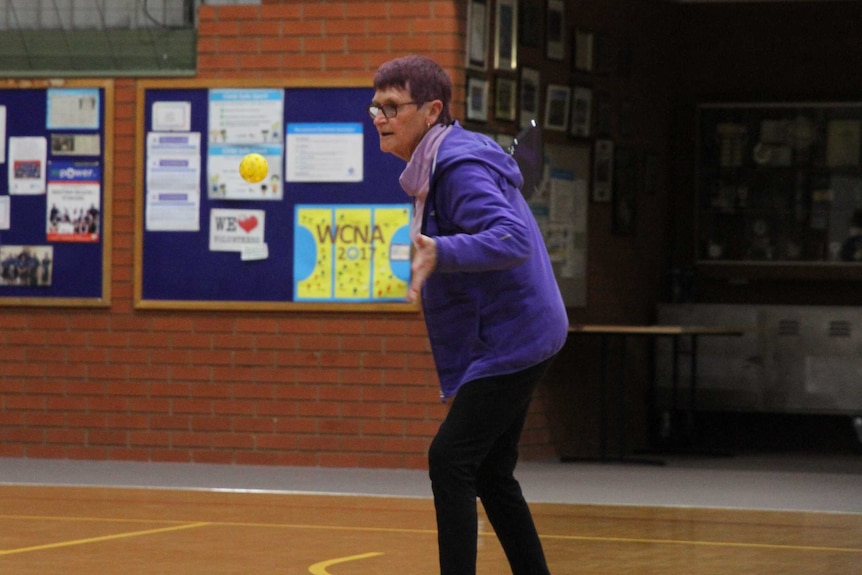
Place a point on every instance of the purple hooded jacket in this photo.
(492, 306)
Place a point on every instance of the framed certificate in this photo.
(477, 99)
(477, 34)
(506, 24)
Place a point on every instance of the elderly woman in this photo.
(491, 304)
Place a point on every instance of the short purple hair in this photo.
(422, 77)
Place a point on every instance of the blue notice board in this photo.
(330, 204)
(55, 193)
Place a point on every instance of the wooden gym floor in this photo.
(69, 518)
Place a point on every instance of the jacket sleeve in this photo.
(481, 220)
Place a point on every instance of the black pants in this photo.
(474, 454)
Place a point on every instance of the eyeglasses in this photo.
(389, 110)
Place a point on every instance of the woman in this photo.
(491, 303)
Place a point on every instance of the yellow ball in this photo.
(253, 168)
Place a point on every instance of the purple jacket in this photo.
(492, 306)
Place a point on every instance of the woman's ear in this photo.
(435, 107)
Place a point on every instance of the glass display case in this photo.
(780, 184)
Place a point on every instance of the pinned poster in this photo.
(75, 108)
(27, 158)
(5, 212)
(74, 202)
(236, 230)
(351, 253)
(172, 116)
(225, 183)
(324, 152)
(2, 134)
(173, 171)
(243, 117)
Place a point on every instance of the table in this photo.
(676, 333)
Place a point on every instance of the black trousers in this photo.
(474, 455)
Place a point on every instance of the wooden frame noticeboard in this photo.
(55, 192)
(327, 229)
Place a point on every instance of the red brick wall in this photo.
(281, 388)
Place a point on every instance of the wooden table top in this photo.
(654, 329)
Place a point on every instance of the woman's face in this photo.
(401, 134)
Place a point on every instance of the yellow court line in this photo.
(725, 544)
(320, 568)
(72, 518)
(415, 531)
(402, 530)
(704, 543)
(99, 539)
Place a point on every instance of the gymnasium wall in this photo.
(273, 388)
(327, 388)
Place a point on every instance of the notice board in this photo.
(327, 229)
(56, 144)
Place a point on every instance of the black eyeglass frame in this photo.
(374, 109)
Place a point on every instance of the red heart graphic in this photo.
(248, 223)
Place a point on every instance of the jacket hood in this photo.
(463, 145)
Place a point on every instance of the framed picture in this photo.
(478, 20)
(506, 24)
(529, 23)
(582, 104)
(554, 30)
(583, 57)
(529, 97)
(557, 106)
(504, 98)
(603, 171)
(477, 99)
(625, 191)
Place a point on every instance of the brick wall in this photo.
(280, 388)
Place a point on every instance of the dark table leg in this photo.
(674, 383)
(603, 399)
(622, 414)
(692, 391)
(621, 401)
(689, 440)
